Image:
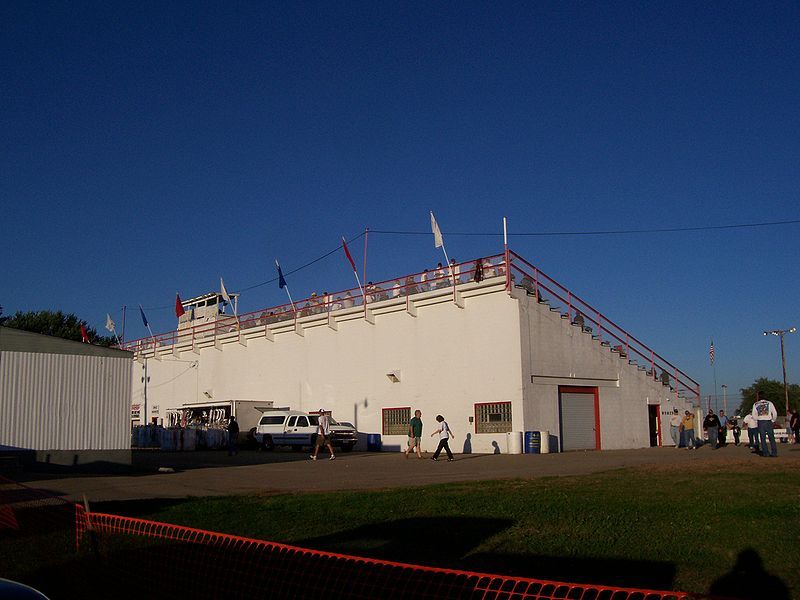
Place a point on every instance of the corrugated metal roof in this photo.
(17, 340)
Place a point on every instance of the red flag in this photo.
(85, 338)
(179, 312)
(348, 255)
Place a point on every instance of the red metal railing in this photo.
(522, 274)
(435, 279)
(544, 288)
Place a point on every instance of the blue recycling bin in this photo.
(374, 442)
(533, 442)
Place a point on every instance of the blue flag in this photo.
(281, 280)
(144, 319)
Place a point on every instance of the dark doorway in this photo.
(654, 416)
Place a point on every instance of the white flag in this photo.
(437, 234)
(109, 323)
(225, 295)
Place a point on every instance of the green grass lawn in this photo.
(664, 528)
(678, 528)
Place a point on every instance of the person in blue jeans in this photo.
(765, 414)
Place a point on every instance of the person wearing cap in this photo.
(323, 435)
(675, 428)
(765, 414)
(688, 430)
(752, 433)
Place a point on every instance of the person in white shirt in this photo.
(323, 435)
(752, 432)
(765, 414)
(675, 428)
(444, 433)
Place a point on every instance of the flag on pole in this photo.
(348, 255)
(437, 233)
(281, 280)
(711, 352)
(179, 310)
(84, 336)
(109, 323)
(144, 319)
(223, 291)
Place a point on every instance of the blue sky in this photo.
(152, 148)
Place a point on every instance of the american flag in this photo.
(711, 352)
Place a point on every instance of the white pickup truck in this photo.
(297, 429)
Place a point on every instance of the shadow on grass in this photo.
(748, 580)
(447, 542)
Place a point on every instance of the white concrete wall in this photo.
(449, 358)
(556, 353)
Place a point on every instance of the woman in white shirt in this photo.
(444, 433)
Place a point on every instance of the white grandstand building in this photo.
(508, 351)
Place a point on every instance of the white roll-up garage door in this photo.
(578, 424)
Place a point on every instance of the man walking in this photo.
(323, 435)
(675, 428)
(444, 433)
(688, 430)
(415, 432)
(711, 425)
(765, 414)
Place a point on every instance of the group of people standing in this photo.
(442, 430)
(759, 423)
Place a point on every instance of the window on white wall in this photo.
(493, 417)
(395, 421)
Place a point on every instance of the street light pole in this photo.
(725, 397)
(780, 333)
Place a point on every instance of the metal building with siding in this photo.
(67, 401)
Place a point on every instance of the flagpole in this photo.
(505, 254)
(363, 292)
(286, 286)
(352, 264)
(123, 322)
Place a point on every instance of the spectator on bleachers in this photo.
(580, 322)
(411, 288)
(397, 289)
(478, 275)
(488, 269)
(455, 270)
(528, 285)
(441, 276)
(423, 279)
(347, 301)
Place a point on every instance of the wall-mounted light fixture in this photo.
(394, 376)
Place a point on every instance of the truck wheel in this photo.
(267, 443)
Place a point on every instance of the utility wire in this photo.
(522, 234)
(274, 279)
(599, 232)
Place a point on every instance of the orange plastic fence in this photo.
(189, 561)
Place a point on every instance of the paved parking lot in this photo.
(215, 474)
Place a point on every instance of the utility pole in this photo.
(780, 333)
